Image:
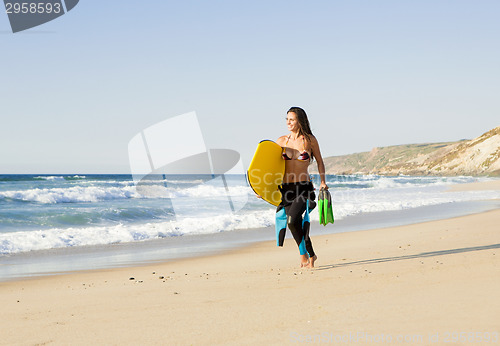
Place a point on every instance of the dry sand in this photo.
(421, 284)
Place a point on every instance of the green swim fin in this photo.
(325, 207)
(321, 202)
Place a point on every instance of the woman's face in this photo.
(291, 122)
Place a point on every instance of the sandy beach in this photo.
(428, 283)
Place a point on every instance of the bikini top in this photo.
(304, 155)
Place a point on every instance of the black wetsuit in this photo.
(294, 199)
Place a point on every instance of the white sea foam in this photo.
(353, 195)
(74, 194)
(352, 202)
(79, 177)
(345, 206)
(51, 178)
(71, 194)
(383, 182)
(17, 242)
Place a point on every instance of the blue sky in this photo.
(74, 91)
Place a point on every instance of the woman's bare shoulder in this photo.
(281, 140)
(314, 141)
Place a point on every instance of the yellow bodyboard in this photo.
(266, 171)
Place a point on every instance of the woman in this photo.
(299, 148)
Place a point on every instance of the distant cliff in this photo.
(479, 156)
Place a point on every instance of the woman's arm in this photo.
(319, 159)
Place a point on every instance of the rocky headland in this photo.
(475, 157)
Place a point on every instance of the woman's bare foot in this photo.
(311, 261)
(304, 261)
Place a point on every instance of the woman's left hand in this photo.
(323, 186)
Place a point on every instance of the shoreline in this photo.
(426, 282)
(64, 261)
(493, 184)
(423, 279)
(67, 261)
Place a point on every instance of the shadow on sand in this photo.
(401, 258)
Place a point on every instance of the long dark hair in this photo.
(304, 126)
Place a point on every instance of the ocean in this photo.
(44, 213)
